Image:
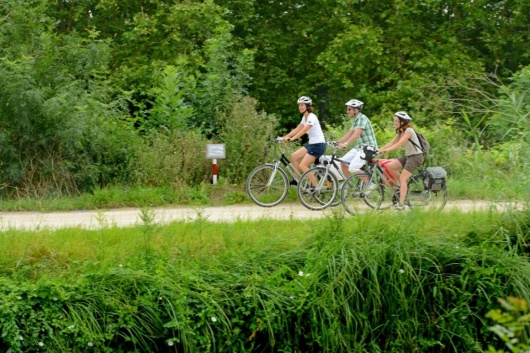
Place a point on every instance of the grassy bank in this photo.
(376, 283)
(228, 194)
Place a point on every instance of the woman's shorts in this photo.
(316, 149)
(411, 163)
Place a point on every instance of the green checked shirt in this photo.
(367, 137)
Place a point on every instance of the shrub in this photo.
(177, 159)
(246, 134)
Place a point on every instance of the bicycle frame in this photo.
(328, 164)
(417, 194)
(268, 184)
(318, 186)
(282, 160)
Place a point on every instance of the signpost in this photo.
(215, 151)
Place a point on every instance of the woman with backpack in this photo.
(407, 138)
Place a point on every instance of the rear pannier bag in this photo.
(435, 178)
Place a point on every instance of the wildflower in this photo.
(41, 344)
(170, 343)
(90, 344)
(214, 319)
(21, 338)
(301, 273)
(401, 270)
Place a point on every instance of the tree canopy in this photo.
(74, 73)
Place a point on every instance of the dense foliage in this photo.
(377, 283)
(89, 88)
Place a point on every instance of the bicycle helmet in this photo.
(354, 103)
(305, 100)
(403, 115)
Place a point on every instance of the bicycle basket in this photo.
(368, 153)
(435, 178)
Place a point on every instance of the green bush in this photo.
(377, 283)
(511, 325)
(246, 134)
(177, 159)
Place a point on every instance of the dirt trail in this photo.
(132, 216)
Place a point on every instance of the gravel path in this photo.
(132, 216)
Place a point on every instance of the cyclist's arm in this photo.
(301, 132)
(350, 137)
(396, 143)
(294, 132)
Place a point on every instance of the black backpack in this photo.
(424, 144)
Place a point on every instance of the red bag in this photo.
(383, 163)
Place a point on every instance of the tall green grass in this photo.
(377, 283)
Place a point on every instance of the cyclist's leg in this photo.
(355, 167)
(347, 158)
(296, 158)
(409, 167)
(403, 179)
(314, 151)
(394, 166)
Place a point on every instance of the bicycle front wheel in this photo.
(357, 197)
(267, 185)
(317, 188)
(420, 198)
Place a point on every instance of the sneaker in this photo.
(293, 182)
(399, 206)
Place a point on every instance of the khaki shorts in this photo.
(412, 162)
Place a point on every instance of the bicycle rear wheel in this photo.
(420, 198)
(357, 198)
(320, 196)
(267, 185)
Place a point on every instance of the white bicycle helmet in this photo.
(403, 115)
(354, 103)
(305, 100)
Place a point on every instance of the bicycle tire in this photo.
(420, 198)
(336, 201)
(317, 199)
(356, 198)
(267, 185)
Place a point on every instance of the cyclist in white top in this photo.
(306, 155)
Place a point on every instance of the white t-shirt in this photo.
(315, 132)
